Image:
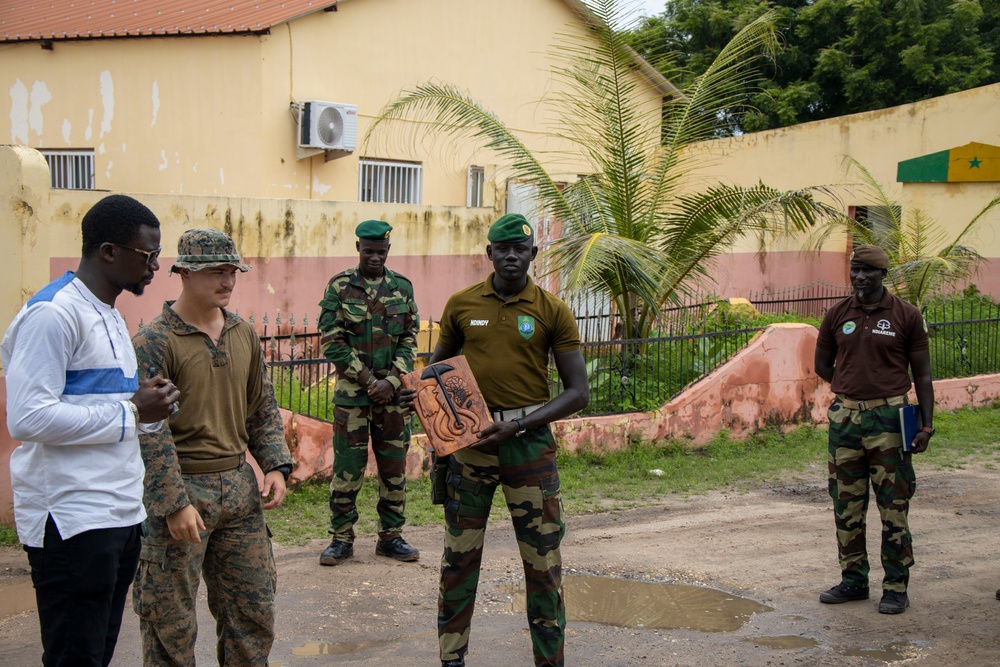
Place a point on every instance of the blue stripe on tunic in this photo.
(100, 381)
(49, 292)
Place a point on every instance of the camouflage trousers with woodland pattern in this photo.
(237, 563)
(526, 470)
(867, 445)
(389, 429)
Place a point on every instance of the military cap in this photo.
(200, 249)
(375, 230)
(512, 227)
(871, 255)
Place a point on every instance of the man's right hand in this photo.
(406, 397)
(155, 399)
(185, 524)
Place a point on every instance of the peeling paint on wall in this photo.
(164, 164)
(66, 130)
(320, 188)
(89, 132)
(156, 102)
(108, 101)
(222, 176)
(19, 113)
(40, 96)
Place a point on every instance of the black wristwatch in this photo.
(520, 427)
(929, 430)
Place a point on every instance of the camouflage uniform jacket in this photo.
(227, 403)
(368, 337)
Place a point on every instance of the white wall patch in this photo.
(18, 113)
(89, 132)
(222, 176)
(156, 102)
(66, 129)
(40, 96)
(108, 101)
(164, 164)
(320, 188)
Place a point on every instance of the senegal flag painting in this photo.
(973, 162)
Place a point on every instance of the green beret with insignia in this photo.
(375, 230)
(511, 228)
(871, 255)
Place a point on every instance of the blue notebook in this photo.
(909, 424)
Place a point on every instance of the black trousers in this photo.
(80, 588)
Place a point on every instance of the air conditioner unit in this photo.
(328, 125)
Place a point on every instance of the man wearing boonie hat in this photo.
(506, 326)
(202, 497)
(868, 345)
(369, 324)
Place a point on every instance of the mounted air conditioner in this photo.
(328, 125)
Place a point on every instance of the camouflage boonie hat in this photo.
(200, 249)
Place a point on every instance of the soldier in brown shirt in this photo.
(867, 347)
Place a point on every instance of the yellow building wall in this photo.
(211, 115)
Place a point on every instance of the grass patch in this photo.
(8, 537)
(965, 436)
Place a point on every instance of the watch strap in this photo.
(520, 427)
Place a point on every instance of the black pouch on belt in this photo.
(439, 479)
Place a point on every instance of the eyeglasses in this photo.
(151, 255)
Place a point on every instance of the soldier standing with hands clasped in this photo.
(867, 346)
(369, 326)
(202, 497)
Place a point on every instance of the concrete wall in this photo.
(812, 154)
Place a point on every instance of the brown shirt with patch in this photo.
(872, 348)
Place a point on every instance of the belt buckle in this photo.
(862, 405)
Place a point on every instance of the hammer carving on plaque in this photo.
(449, 404)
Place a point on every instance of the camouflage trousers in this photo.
(866, 445)
(525, 468)
(236, 561)
(389, 429)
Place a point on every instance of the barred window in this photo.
(70, 169)
(474, 190)
(389, 181)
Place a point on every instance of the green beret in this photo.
(871, 255)
(511, 227)
(375, 230)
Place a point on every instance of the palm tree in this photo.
(923, 261)
(632, 229)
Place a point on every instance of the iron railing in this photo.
(964, 337)
(811, 300)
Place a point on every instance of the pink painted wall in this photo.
(737, 274)
(294, 285)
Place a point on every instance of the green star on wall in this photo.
(974, 163)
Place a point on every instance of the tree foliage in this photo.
(631, 230)
(839, 56)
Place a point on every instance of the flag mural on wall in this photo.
(973, 162)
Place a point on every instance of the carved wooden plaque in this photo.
(449, 404)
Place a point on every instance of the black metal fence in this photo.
(811, 300)
(642, 374)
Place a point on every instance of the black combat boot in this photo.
(397, 548)
(337, 552)
(457, 662)
(844, 593)
(893, 603)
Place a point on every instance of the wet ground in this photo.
(723, 579)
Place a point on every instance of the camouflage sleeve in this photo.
(406, 346)
(164, 491)
(333, 338)
(265, 427)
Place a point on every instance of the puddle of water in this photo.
(892, 653)
(345, 648)
(782, 641)
(637, 604)
(17, 596)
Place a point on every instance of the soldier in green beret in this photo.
(369, 324)
(507, 327)
(867, 348)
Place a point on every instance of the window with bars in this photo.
(474, 190)
(389, 181)
(70, 170)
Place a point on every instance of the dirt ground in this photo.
(771, 550)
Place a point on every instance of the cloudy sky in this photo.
(649, 7)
